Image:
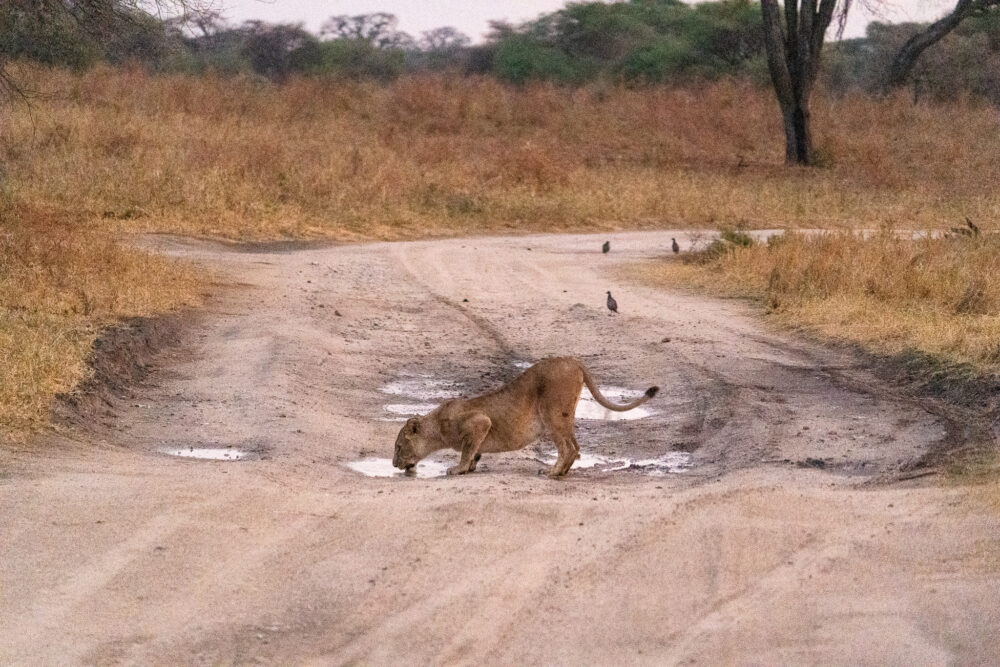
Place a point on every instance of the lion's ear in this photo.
(416, 426)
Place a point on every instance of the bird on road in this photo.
(673, 244)
(606, 247)
(612, 304)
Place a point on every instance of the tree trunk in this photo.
(793, 57)
(803, 134)
(904, 61)
(798, 134)
(788, 117)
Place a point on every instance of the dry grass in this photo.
(105, 152)
(935, 296)
(59, 284)
(436, 156)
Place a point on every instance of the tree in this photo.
(907, 56)
(442, 48)
(365, 46)
(793, 59)
(52, 40)
(378, 29)
(119, 23)
(443, 39)
(639, 41)
(278, 50)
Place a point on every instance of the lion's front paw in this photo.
(456, 470)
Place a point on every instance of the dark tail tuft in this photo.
(651, 392)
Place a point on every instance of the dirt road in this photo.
(776, 536)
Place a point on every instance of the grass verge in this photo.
(936, 297)
(60, 284)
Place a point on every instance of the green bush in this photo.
(640, 41)
(737, 237)
(360, 59)
(48, 39)
(635, 41)
(521, 58)
(662, 60)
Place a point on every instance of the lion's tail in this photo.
(596, 393)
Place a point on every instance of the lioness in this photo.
(512, 417)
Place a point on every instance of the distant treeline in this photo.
(638, 42)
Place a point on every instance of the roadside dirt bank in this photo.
(783, 539)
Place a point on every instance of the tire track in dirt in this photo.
(503, 346)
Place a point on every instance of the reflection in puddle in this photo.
(372, 467)
(671, 462)
(588, 408)
(422, 388)
(410, 409)
(214, 454)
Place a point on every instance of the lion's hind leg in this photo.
(560, 427)
(568, 454)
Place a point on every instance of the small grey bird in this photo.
(612, 304)
(673, 244)
(606, 248)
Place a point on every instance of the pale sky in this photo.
(472, 16)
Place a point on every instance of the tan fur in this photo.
(541, 400)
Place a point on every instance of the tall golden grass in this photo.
(60, 283)
(111, 151)
(433, 155)
(939, 297)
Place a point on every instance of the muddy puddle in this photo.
(417, 395)
(588, 408)
(374, 467)
(671, 462)
(208, 453)
(409, 409)
(422, 387)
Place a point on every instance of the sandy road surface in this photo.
(113, 552)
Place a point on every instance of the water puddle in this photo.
(409, 409)
(588, 408)
(208, 453)
(373, 467)
(420, 390)
(423, 388)
(671, 462)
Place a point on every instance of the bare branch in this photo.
(907, 57)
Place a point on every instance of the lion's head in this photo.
(410, 445)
